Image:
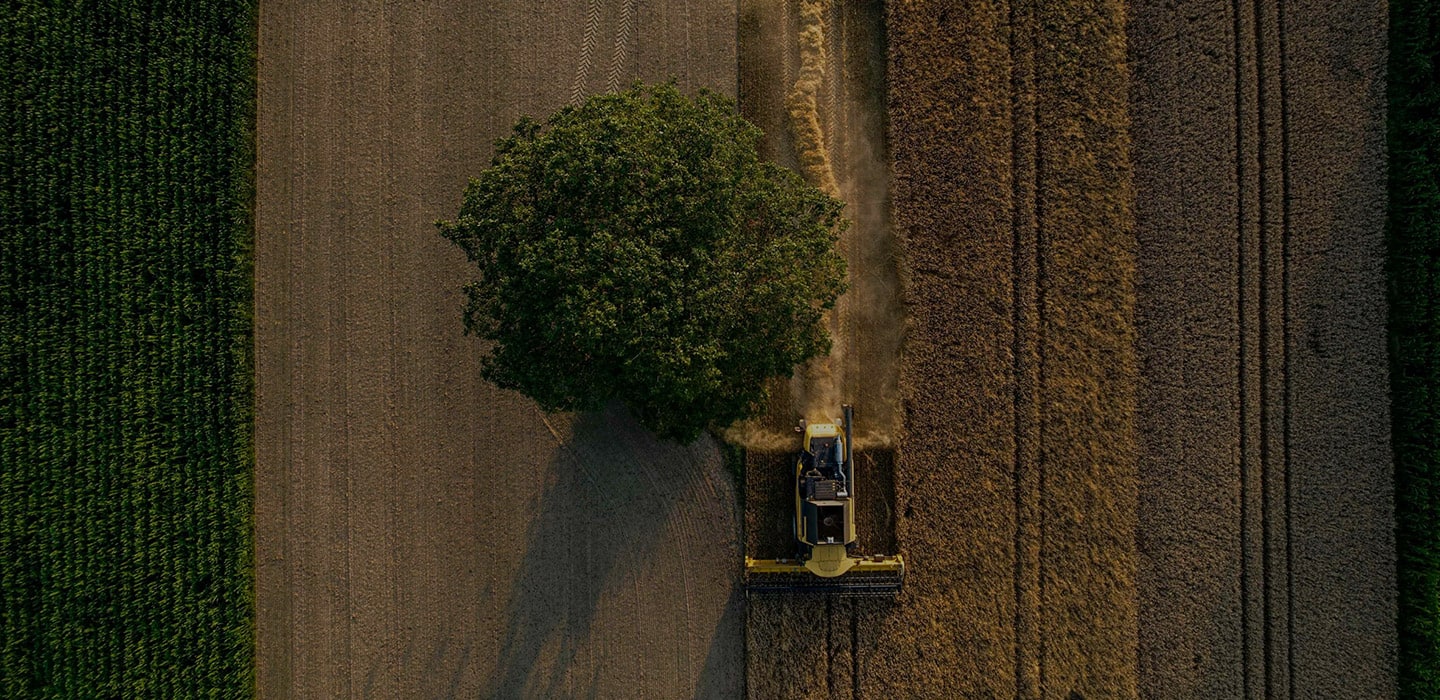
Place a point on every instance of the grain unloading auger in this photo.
(824, 526)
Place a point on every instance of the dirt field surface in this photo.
(1265, 522)
(419, 533)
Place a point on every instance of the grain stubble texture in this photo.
(420, 533)
(1014, 483)
(1266, 545)
(1016, 480)
(869, 323)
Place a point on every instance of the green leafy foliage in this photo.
(636, 248)
(125, 390)
(1413, 239)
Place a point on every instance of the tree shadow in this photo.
(609, 533)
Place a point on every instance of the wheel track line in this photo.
(564, 446)
(854, 651)
(1285, 343)
(829, 647)
(1041, 319)
(1263, 333)
(1041, 294)
(1240, 362)
(587, 49)
(338, 399)
(682, 530)
(831, 86)
(622, 45)
(787, 40)
(1019, 403)
(688, 542)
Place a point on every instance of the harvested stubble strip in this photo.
(950, 633)
(784, 634)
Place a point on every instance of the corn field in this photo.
(125, 372)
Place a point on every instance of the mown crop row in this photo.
(1414, 254)
(125, 390)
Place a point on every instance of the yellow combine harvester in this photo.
(824, 527)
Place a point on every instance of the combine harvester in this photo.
(824, 527)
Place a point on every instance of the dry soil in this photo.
(420, 533)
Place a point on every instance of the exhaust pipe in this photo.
(849, 417)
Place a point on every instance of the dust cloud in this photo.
(824, 115)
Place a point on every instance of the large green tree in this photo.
(636, 248)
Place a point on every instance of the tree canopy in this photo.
(636, 248)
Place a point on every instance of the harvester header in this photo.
(824, 526)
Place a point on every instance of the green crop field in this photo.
(126, 161)
(1414, 252)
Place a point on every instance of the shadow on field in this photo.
(723, 664)
(607, 559)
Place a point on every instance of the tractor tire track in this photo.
(1025, 345)
(1302, 325)
(578, 87)
(622, 46)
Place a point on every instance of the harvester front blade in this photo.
(871, 577)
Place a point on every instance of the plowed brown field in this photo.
(419, 533)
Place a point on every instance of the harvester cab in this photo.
(824, 525)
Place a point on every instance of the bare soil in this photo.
(420, 533)
(1265, 521)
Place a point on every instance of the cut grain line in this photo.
(1240, 362)
(622, 45)
(830, 647)
(1285, 351)
(854, 651)
(831, 86)
(587, 48)
(1015, 347)
(1041, 297)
